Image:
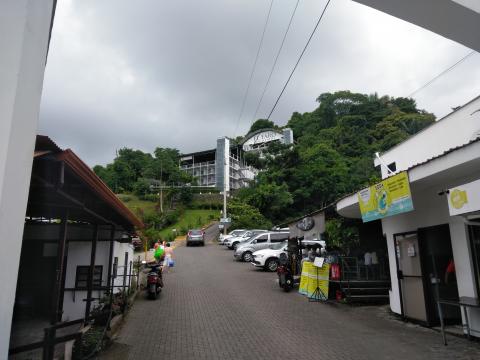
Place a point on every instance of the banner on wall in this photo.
(464, 199)
(389, 197)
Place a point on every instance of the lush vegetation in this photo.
(134, 170)
(333, 154)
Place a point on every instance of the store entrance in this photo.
(426, 272)
(439, 273)
(410, 278)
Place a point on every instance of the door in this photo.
(474, 234)
(260, 243)
(278, 237)
(410, 278)
(436, 255)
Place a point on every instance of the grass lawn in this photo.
(189, 219)
(134, 204)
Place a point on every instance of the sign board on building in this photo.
(390, 197)
(310, 227)
(261, 137)
(464, 199)
(307, 223)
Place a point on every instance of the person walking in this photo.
(168, 257)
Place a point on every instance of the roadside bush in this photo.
(124, 198)
(149, 197)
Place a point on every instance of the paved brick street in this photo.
(215, 308)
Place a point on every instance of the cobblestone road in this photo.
(215, 308)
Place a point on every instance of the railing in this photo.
(50, 340)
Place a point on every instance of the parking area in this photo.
(213, 307)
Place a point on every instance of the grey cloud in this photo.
(172, 73)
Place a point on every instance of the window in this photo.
(262, 239)
(392, 167)
(278, 237)
(82, 276)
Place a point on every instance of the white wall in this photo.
(79, 255)
(454, 130)
(430, 210)
(458, 20)
(119, 251)
(24, 30)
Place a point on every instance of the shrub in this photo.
(149, 197)
(125, 198)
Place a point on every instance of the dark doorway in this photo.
(436, 256)
(423, 257)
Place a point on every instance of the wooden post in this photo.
(110, 257)
(57, 304)
(130, 275)
(90, 273)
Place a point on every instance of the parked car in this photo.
(196, 236)
(261, 241)
(268, 258)
(234, 233)
(233, 241)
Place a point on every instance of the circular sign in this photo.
(307, 223)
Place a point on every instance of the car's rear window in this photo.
(195, 232)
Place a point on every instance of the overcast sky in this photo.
(150, 73)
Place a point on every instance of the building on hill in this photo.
(209, 169)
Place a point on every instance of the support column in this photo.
(60, 272)
(24, 35)
(110, 257)
(91, 272)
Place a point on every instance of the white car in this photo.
(268, 258)
(237, 232)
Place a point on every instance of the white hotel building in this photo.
(209, 166)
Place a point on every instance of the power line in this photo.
(254, 66)
(442, 73)
(275, 61)
(299, 58)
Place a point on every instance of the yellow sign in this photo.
(313, 277)
(458, 198)
(390, 197)
(464, 199)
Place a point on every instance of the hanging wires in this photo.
(299, 58)
(275, 61)
(442, 73)
(254, 67)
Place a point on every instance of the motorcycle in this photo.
(285, 276)
(154, 280)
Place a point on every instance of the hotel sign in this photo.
(390, 197)
(464, 199)
(262, 138)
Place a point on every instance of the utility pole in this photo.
(161, 187)
(225, 194)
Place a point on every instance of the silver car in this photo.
(196, 237)
(262, 241)
(234, 241)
